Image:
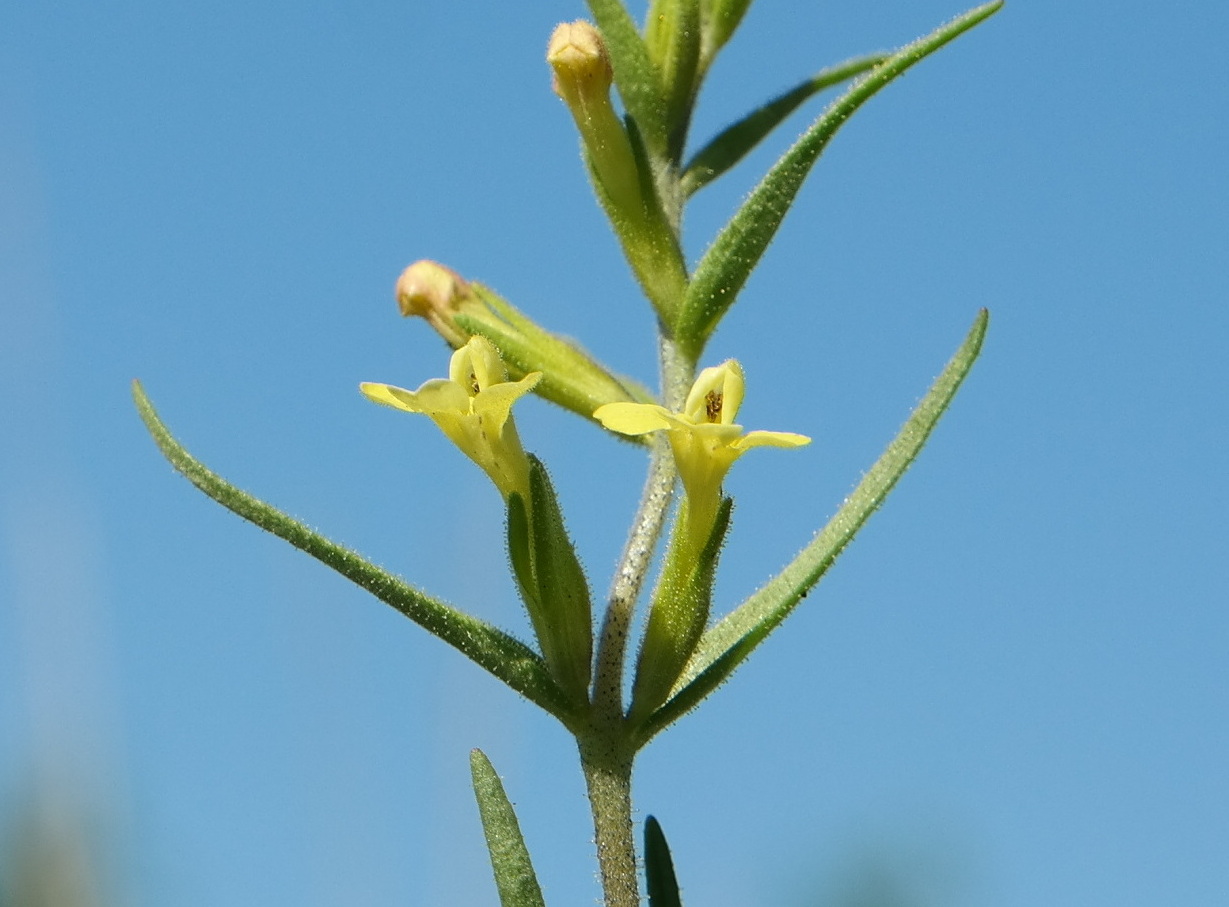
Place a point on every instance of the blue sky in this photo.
(1013, 688)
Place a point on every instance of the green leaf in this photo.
(514, 875)
(564, 618)
(520, 552)
(672, 36)
(659, 867)
(729, 261)
(636, 77)
(719, 19)
(649, 243)
(724, 647)
(503, 655)
(734, 142)
(527, 347)
(681, 606)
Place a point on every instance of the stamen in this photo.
(712, 405)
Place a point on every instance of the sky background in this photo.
(1012, 690)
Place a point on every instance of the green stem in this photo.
(678, 370)
(629, 580)
(608, 778)
(676, 374)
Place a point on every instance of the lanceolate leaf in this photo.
(734, 142)
(565, 624)
(724, 647)
(659, 867)
(636, 77)
(503, 655)
(719, 19)
(514, 875)
(679, 613)
(738, 248)
(672, 36)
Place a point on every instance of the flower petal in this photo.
(770, 439)
(439, 396)
(722, 384)
(477, 363)
(635, 418)
(387, 394)
(494, 403)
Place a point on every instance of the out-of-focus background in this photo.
(1011, 691)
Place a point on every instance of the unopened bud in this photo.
(582, 77)
(459, 309)
(580, 62)
(437, 293)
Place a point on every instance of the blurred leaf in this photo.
(734, 142)
(514, 875)
(503, 655)
(724, 647)
(636, 77)
(732, 257)
(659, 867)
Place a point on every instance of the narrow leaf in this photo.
(636, 77)
(564, 621)
(679, 613)
(719, 19)
(724, 647)
(519, 551)
(514, 875)
(734, 142)
(503, 655)
(736, 251)
(659, 867)
(672, 36)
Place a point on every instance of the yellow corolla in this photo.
(704, 438)
(473, 407)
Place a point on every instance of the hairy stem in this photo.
(677, 371)
(676, 374)
(629, 580)
(608, 778)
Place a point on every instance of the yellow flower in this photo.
(704, 437)
(473, 407)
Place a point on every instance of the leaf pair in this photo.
(515, 878)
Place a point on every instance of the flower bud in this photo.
(582, 77)
(578, 56)
(459, 310)
(437, 293)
